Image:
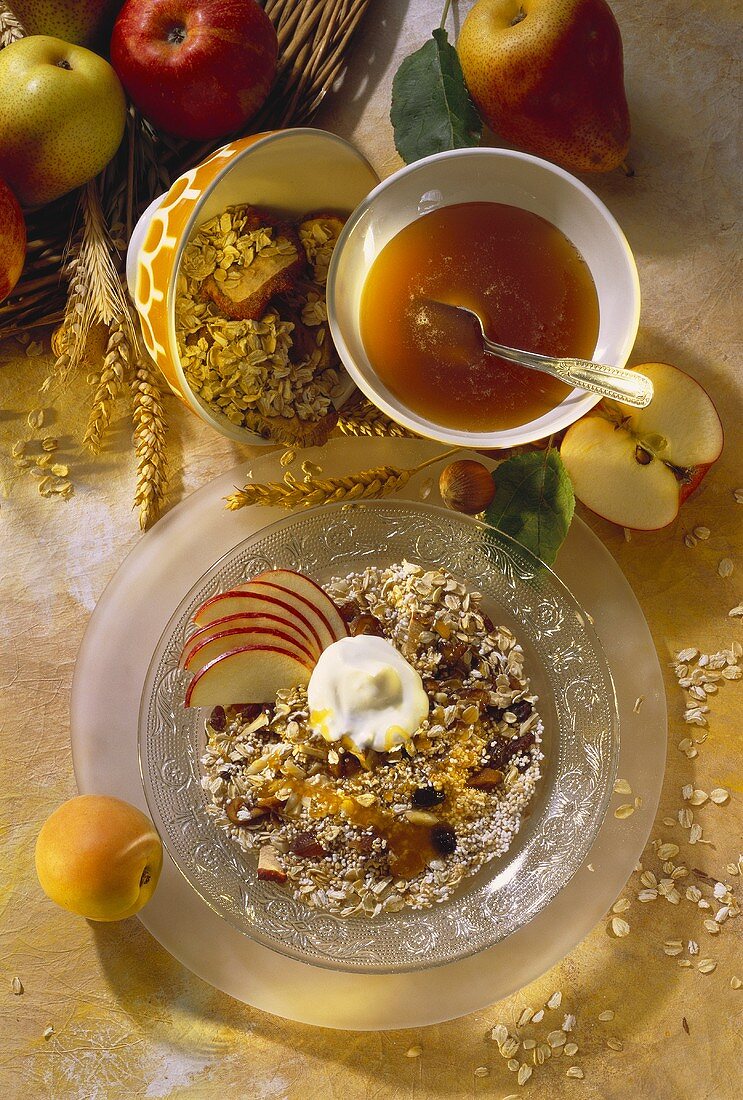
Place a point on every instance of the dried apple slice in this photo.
(636, 467)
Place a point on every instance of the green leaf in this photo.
(533, 502)
(431, 108)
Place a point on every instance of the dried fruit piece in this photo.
(487, 779)
(307, 846)
(426, 797)
(269, 867)
(444, 839)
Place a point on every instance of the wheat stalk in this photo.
(312, 491)
(11, 28)
(367, 420)
(150, 429)
(110, 384)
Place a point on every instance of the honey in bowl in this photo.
(521, 275)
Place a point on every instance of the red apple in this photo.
(12, 240)
(636, 467)
(196, 68)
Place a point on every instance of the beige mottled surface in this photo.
(128, 1021)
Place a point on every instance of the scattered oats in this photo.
(539, 1016)
(706, 966)
(554, 1002)
(413, 1052)
(287, 458)
(17, 986)
(569, 1022)
(735, 983)
(570, 1049)
(684, 963)
(686, 655)
(693, 893)
(511, 1096)
(510, 1047)
(621, 786)
(647, 878)
(695, 834)
(615, 1044)
(712, 927)
(720, 890)
(619, 927)
(49, 443)
(732, 869)
(732, 672)
(647, 895)
(736, 612)
(685, 744)
(638, 703)
(621, 906)
(426, 488)
(529, 1044)
(48, 1032)
(722, 914)
(590, 867)
(575, 1071)
(719, 796)
(525, 1017)
(669, 822)
(638, 802)
(524, 1073)
(35, 419)
(692, 947)
(702, 533)
(513, 1064)
(625, 810)
(690, 541)
(698, 798)
(499, 1034)
(725, 568)
(686, 819)
(482, 1071)
(556, 1039)
(668, 851)
(679, 872)
(673, 947)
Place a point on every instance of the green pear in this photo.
(84, 22)
(62, 117)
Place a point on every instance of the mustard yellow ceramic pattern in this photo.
(158, 257)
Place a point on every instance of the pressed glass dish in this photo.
(567, 668)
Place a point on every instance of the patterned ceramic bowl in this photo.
(292, 172)
(568, 671)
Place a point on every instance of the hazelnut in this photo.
(466, 486)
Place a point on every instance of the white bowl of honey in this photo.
(522, 242)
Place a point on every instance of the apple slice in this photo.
(245, 601)
(225, 640)
(310, 596)
(271, 623)
(253, 673)
(635, 467)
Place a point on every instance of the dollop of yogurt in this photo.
(363, 689)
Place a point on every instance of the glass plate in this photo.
(567, 669)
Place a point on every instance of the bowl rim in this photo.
(224, 426)
(146, 704)
(576, 404)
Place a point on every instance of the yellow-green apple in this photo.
(12, 240)
(84, 22)
(99, 856)
(195, 68)
(636, 467)
(252, 673)
(547, 76)
(62, 115)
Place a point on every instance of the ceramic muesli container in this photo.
(290, 172)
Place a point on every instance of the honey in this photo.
(525, 279)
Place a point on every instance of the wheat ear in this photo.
(150, 428)
(311, 491)
(11, 28)
(366, 419)
(111, 381)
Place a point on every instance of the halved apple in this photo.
(635, 467)
(270, 623)
(225, 640)
(249, 673)
(309, 599)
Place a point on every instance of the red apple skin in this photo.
(198, 69)
(12, 240)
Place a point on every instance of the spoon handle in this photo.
(626, 386)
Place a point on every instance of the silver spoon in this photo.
(626, 386)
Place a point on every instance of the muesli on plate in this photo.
(391, 744)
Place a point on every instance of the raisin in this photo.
(366, 624)
(425, 797)
(522, 709)
(348, 765)
(496, 713)
(444, 839)
(349, 611)
(218, 719)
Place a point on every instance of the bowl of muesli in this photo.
(434, 768)
(227, 270)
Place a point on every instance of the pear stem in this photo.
(445, 16)
(627, 169)
(518, 17)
